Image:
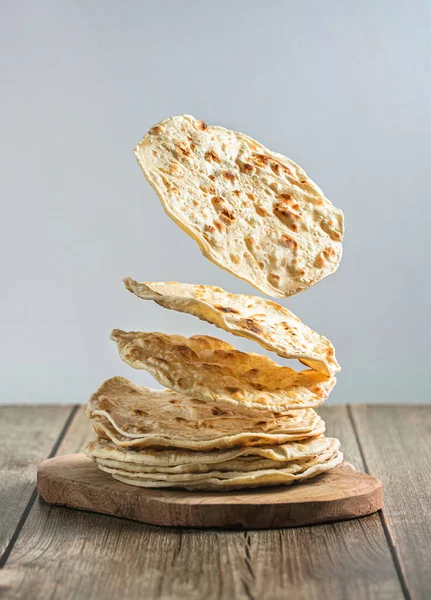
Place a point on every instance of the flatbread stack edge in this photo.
(226, 419)
(239, 474)
(160, 438)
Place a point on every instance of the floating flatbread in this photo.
(252, 211)
(212, 370)
(137, 417)
(272, 326)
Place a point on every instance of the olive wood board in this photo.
(342, 493)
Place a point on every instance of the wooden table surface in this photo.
(50, 552)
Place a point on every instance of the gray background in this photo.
(343, 88)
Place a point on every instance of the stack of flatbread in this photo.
(226, 419)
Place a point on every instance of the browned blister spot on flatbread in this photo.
(227, 309)
(233, 391)
(156, 130)
(247, 168)
(278, 168)
(227, 216)
(228, 175)
(289, 242)
(217, 201)
(261, 159)
(211, 155)
(329, 253)
(140, 413)
(319, 262)
(286, 214)
(184, 150)
(250, 324)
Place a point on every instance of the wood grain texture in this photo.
(62, 553)
(28, 434)
(396, 443)
(79, 433)
(342, 493)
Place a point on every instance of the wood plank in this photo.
(62, 553)
(28, 434)
(396, 445)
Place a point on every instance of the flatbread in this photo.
(187, 461)
(212, 370)
(272, 326)
(223, 471)
(137, 417)
(252, 211)
(219, 480)
(218, 441)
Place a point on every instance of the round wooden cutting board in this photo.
(343, 493)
